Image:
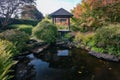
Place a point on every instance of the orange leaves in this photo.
(77, 11)
(80, 8)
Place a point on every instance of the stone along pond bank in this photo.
(104, 56)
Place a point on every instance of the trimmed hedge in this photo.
(22, 27)
(21, 21)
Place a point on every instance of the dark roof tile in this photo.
(61, 12)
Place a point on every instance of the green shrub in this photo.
(108, 37)
(101, 50)
(8, 46)
(17, 37)
(7, 49)
(67, 36)
(22, 27)
(84, 38)
(62, 27)
(45, 31)
(87, 38)
(74, 28)
(79, 37)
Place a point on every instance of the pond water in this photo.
(74, 64)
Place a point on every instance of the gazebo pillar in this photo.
(69, 23)
(53, 20)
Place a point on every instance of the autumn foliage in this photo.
(91, 14)
(93, 4)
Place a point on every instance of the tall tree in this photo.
(86, 18)
(9, 8)
(91, 14)
(100, 3)
(31, 12)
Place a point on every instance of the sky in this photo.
(49, 6)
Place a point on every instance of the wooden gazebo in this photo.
(61, 16)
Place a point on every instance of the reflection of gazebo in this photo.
(62, 17)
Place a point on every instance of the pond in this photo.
(72, 64)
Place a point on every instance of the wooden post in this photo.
(69, 23)
(53, 20)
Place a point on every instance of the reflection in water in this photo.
(74, 64)
(63, 53)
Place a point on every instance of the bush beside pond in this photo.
(105, 40)
(83, 38)
(17, 37)
(45, 31)
(108, 39)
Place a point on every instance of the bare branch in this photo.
(9, 8)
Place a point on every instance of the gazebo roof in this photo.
(61, 13)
